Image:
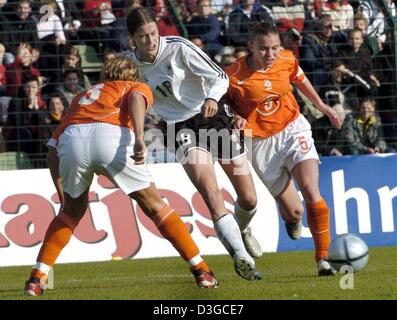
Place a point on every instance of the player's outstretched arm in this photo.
(53, 165)
(307, 89)
(137, 111)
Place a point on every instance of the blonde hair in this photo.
(359, 16)
(50, 3)
(370, 100)
(120, 68)
(2, 48)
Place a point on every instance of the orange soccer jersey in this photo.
(105, 102)
(265, 98)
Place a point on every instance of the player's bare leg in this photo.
(291, 210)
(306, 175)
(239, 174)
(199, 167)
(174, 230)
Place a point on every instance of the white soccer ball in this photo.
(348, 249)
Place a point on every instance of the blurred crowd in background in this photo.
(52, 49)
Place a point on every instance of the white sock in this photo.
(242, 216)
(42, 267)
(195, 261)
(229, 234)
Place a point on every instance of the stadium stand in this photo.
(90, 62)
(14, 160)
(344, 66)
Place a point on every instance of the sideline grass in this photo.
(287, 275)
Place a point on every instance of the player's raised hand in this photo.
(139, 151)
(209, 108)
(239, 122)
(332, 115)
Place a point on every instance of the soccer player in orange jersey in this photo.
(260, 92)
(103, 134)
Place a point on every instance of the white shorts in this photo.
(273, 158)
(101, 148)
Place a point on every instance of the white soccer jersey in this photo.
(181, 77)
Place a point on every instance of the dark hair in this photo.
(70, 50)
(24, 1)
(369, 99)
(137, 17)
(69, 71)
(27, 77)
(54, 95)
(318, 25)
(353, 31)
(240, 49)
(263, 28)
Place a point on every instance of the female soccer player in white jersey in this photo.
(187, 86)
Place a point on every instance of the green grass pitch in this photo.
(287, 275)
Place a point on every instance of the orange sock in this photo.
(318, 221)
(57, 237)
(174, 230)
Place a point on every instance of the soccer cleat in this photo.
(205, 279)
(294, 230)
(251, 244)
(325, 268)
(246, 269)
(33, 287)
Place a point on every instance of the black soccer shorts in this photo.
(215, 135)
